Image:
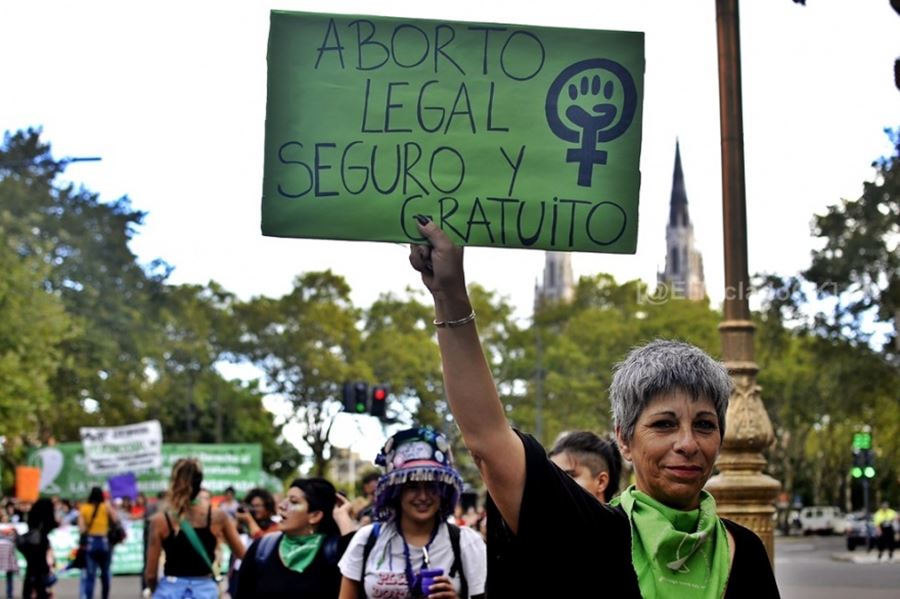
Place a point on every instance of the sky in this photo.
(172, 96)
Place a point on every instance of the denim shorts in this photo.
(186, 587)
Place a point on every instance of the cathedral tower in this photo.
(558, 285)
(684, 264)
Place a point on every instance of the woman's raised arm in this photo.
(470, 388)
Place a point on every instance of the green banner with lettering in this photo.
(504, 135)
(239, 465)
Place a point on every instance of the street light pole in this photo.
(62, 162)
(743, 493)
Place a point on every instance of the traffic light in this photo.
(863, 456)
(869, 468)
(859, 462)
(863, 464)
(379, 401)
(356, 397)
(862, 441)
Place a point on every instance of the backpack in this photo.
(454, 544)
(268, 543)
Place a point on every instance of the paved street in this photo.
(822, 568)
(123, 587)
(806, 568)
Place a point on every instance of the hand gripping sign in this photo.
(505, 135)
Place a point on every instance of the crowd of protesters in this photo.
(279, 543)
(25, 528)
(412, 529)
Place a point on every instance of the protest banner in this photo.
(119, 449)
(503, 135)
(237, 465)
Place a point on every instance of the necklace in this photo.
(410, 576)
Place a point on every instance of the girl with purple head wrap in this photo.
(414, 497)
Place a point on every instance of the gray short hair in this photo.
(661, 367)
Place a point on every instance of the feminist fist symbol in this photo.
(595, 125)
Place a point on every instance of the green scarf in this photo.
(298, 552)
(676, 554)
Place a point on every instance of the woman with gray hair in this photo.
(662, 536)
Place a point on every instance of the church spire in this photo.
(558, 284)
(684, 264)
(678, 210)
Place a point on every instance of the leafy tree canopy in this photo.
(860, 263)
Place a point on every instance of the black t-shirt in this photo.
(273, 580)
(571, 545)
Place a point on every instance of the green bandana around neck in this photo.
(677, 554)
(298, 552)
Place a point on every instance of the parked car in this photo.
(860, 531)
(821, 519)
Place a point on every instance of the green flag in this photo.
(505, 135)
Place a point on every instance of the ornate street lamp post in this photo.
(742, 491)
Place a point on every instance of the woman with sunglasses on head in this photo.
(301, 559)
(411, 550)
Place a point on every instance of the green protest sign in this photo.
(505, 135)
(239, 465)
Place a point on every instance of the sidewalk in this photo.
(861, 557)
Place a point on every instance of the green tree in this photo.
(105, 291)
(222, 411)
(197, 329)
(400, 346)
(574, 347)
(819, 390)
(307, 343)
(821, 379)
(33, 326)
(101, 339)
(860, 262)
(401, 352)
(191, 398)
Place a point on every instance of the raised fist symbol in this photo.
(604, 92)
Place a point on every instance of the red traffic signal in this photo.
(379, 401)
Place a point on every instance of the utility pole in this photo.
(539, 386)
(743, 493)
(62, 162)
